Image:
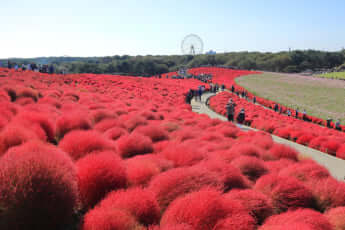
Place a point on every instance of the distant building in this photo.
(211, 52)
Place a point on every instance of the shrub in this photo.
(275, 167)
(28, 119)
(155, 132)
(115, 133)
(109, 219)
(99, 174)
(141, 203)
(239, 221)
(232, 177)
(79, 143)
(182, 154)
(140, 171)
(328, 192)
(251, 167)
(38, 187)
(302, 217)
(134, 144)
(246, 150)
(132, 122)
(289, 193)
(14, 135)
(69, 122)
(106, 124)
(102, 114)
(282, 151)
(202, 210)
(341, 152)
(336, 217)
(257, 204)
(180, 181)
(305, 171)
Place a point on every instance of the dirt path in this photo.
(335, 165)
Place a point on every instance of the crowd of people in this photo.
(31, 66)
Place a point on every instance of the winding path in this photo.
(335, 165)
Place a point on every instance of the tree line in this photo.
(289, 62)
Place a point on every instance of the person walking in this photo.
(297, 112)
(337, 125)
(288, 113)
(230, 110)
(254, 100)
(232, 89)
(241, 116)
(304, 116)
(329, 122)
(276, 107)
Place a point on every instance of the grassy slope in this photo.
(322, 98)
(335, 75)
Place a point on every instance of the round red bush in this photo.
(140, 171)
(155, 132)
(341, 152)
(141, 203)
(38, 188)
(109, 219)
(257, 204)
(182, 154)
(251, 167)
(14, 135)
(79, 143)
(336, 217)
(238, 221)
(282, 151)
(202, 210)
(69, 122)
(134, 144)
(99, 174)
(180, 181)
(290, 193)
(303, 217)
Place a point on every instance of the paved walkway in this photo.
(335, 165)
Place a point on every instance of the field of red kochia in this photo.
(98, 152)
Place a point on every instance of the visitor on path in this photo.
(223, 87)
(230, 110)
(232, 89)
(289, 113)
(16, 67)
(51, 69)
(304, 116)
(241, 116)
(9, 64)
(329, 122)
(297, 113)
(337, 125)
(254, 100)
(276, 107)
(280, 109)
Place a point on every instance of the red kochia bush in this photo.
(140, 171)
(329, 193)
(174, 227)
(290, 193)
(202, 210)
(305, 170)
(257, 204)
(28, 118)
(109, 219)
(238, 221)
(99, 174)
(13, 135)
(251, 167)
(309, 218)
(38, 188)
(141, 203)
(79, 143)
(69, 122)
(134, 144)
(232, 177)
(336, 217)
(182, 154)
(180, 181)
(341, 152)
(155, 132)
(282, 151)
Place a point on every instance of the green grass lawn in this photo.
(320, 97)
(335, 75)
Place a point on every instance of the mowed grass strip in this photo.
(334, 75)
(320, 97)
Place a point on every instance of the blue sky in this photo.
(99, 28)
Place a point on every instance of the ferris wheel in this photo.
(192, 45)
